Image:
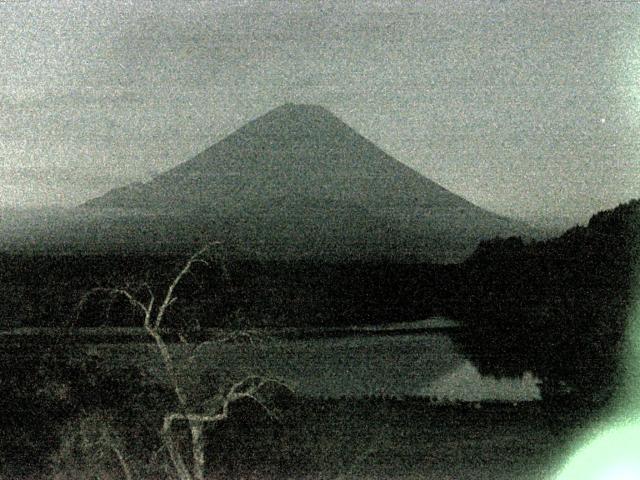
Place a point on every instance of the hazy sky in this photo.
(526, 108)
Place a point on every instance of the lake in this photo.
(408, 359)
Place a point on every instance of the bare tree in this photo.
(215, 409)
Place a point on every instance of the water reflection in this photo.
(425, 364)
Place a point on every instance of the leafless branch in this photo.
(251, 335)
(169, 297)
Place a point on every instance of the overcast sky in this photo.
(525, 108)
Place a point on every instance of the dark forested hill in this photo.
(46, 291)
(559, 307)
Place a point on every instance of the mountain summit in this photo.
(298, 181)
(292, 150)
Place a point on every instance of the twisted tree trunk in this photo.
(197, 445)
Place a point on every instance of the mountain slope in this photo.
(294, 149)
(300, 162)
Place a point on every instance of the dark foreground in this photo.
(411, 439)
(316, 439)
(56, 401)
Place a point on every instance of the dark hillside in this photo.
(558, 307)
(45, 291)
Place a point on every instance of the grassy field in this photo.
(411, 439)
(377, 439)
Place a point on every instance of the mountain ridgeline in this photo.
(297, 182)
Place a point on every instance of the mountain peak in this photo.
(302, 107)
(298, 116)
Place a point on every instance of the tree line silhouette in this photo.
(559, 307)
